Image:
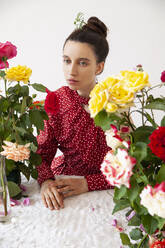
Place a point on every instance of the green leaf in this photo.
(14, 90)
(161, 222)
(150, 223)
(2, 73)
(24, 90)
(24, 105)
(39, 87)
(120, 192)
(4, 104)
(139, 151)
(36, 118)
(142, 134)
(157, 104)
(134, 190)
(163, 122)
(134, 221)
(125, 239)
(141, 210)
(21, 130)
(136, 234)
(161, 174)
(35, 159)
(121, 204)
(34, 174)
(33, 147)
(10, 165)
(44, 115)
(149, 118)
(103, 120)
(14, 189)
(25, 170)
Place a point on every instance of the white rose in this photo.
(154, 199)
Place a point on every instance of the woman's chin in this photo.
(73, 87)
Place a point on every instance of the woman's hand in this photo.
(71, 186)
(50, 196)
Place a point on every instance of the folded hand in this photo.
(71, 186)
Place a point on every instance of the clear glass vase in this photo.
(5, 208)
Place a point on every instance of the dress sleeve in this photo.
(47, 143)
(47, 148)
(97, 182)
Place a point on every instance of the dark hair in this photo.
(94, 33)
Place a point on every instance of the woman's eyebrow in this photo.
(84, 59)
(65, 56)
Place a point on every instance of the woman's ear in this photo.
(100, 68)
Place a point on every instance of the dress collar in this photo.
(81, 99)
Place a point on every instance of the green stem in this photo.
(143, 101)
(3, 187)
(5, 80)
(5, 87)
(141, 170)
(144, 237)
(14, 126)
(150, 109)
(158, 85)
(127, 116)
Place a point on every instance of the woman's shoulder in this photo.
(56, 100)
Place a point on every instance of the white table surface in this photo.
(85, 222)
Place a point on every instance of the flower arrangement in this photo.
(20, 117)
(135, 163)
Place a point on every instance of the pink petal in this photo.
(114, 223)
(26, 202)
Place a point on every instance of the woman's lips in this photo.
(72, 81)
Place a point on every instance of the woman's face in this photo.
(80, 66)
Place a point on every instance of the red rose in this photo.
(51, 102)
(158, 244)
(37, 104)
(163, 76)
(157, 142)
(7, 51)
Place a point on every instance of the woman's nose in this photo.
(73, 69)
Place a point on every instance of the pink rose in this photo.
(7, 51)
(117, 167)
(163, 76)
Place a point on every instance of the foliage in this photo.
(149, 168)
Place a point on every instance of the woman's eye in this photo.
(66, 61)
(83, 63)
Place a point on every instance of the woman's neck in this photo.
(86, 92)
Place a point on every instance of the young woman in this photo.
(70, 127)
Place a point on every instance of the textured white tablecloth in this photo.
(85, 222)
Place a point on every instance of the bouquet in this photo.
(20, 117)
(135, 162)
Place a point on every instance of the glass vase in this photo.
(5, 208)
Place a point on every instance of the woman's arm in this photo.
(97, 182)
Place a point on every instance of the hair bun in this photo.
(97, 26)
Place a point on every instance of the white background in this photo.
(39, 28)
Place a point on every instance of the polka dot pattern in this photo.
(72, 130)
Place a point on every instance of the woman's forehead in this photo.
(75, 49)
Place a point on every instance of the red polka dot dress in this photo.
(71, 129)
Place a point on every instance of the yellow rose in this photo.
(135, 80)
(97, 102)
(19, 73)
(118, 94)
(111, 107)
